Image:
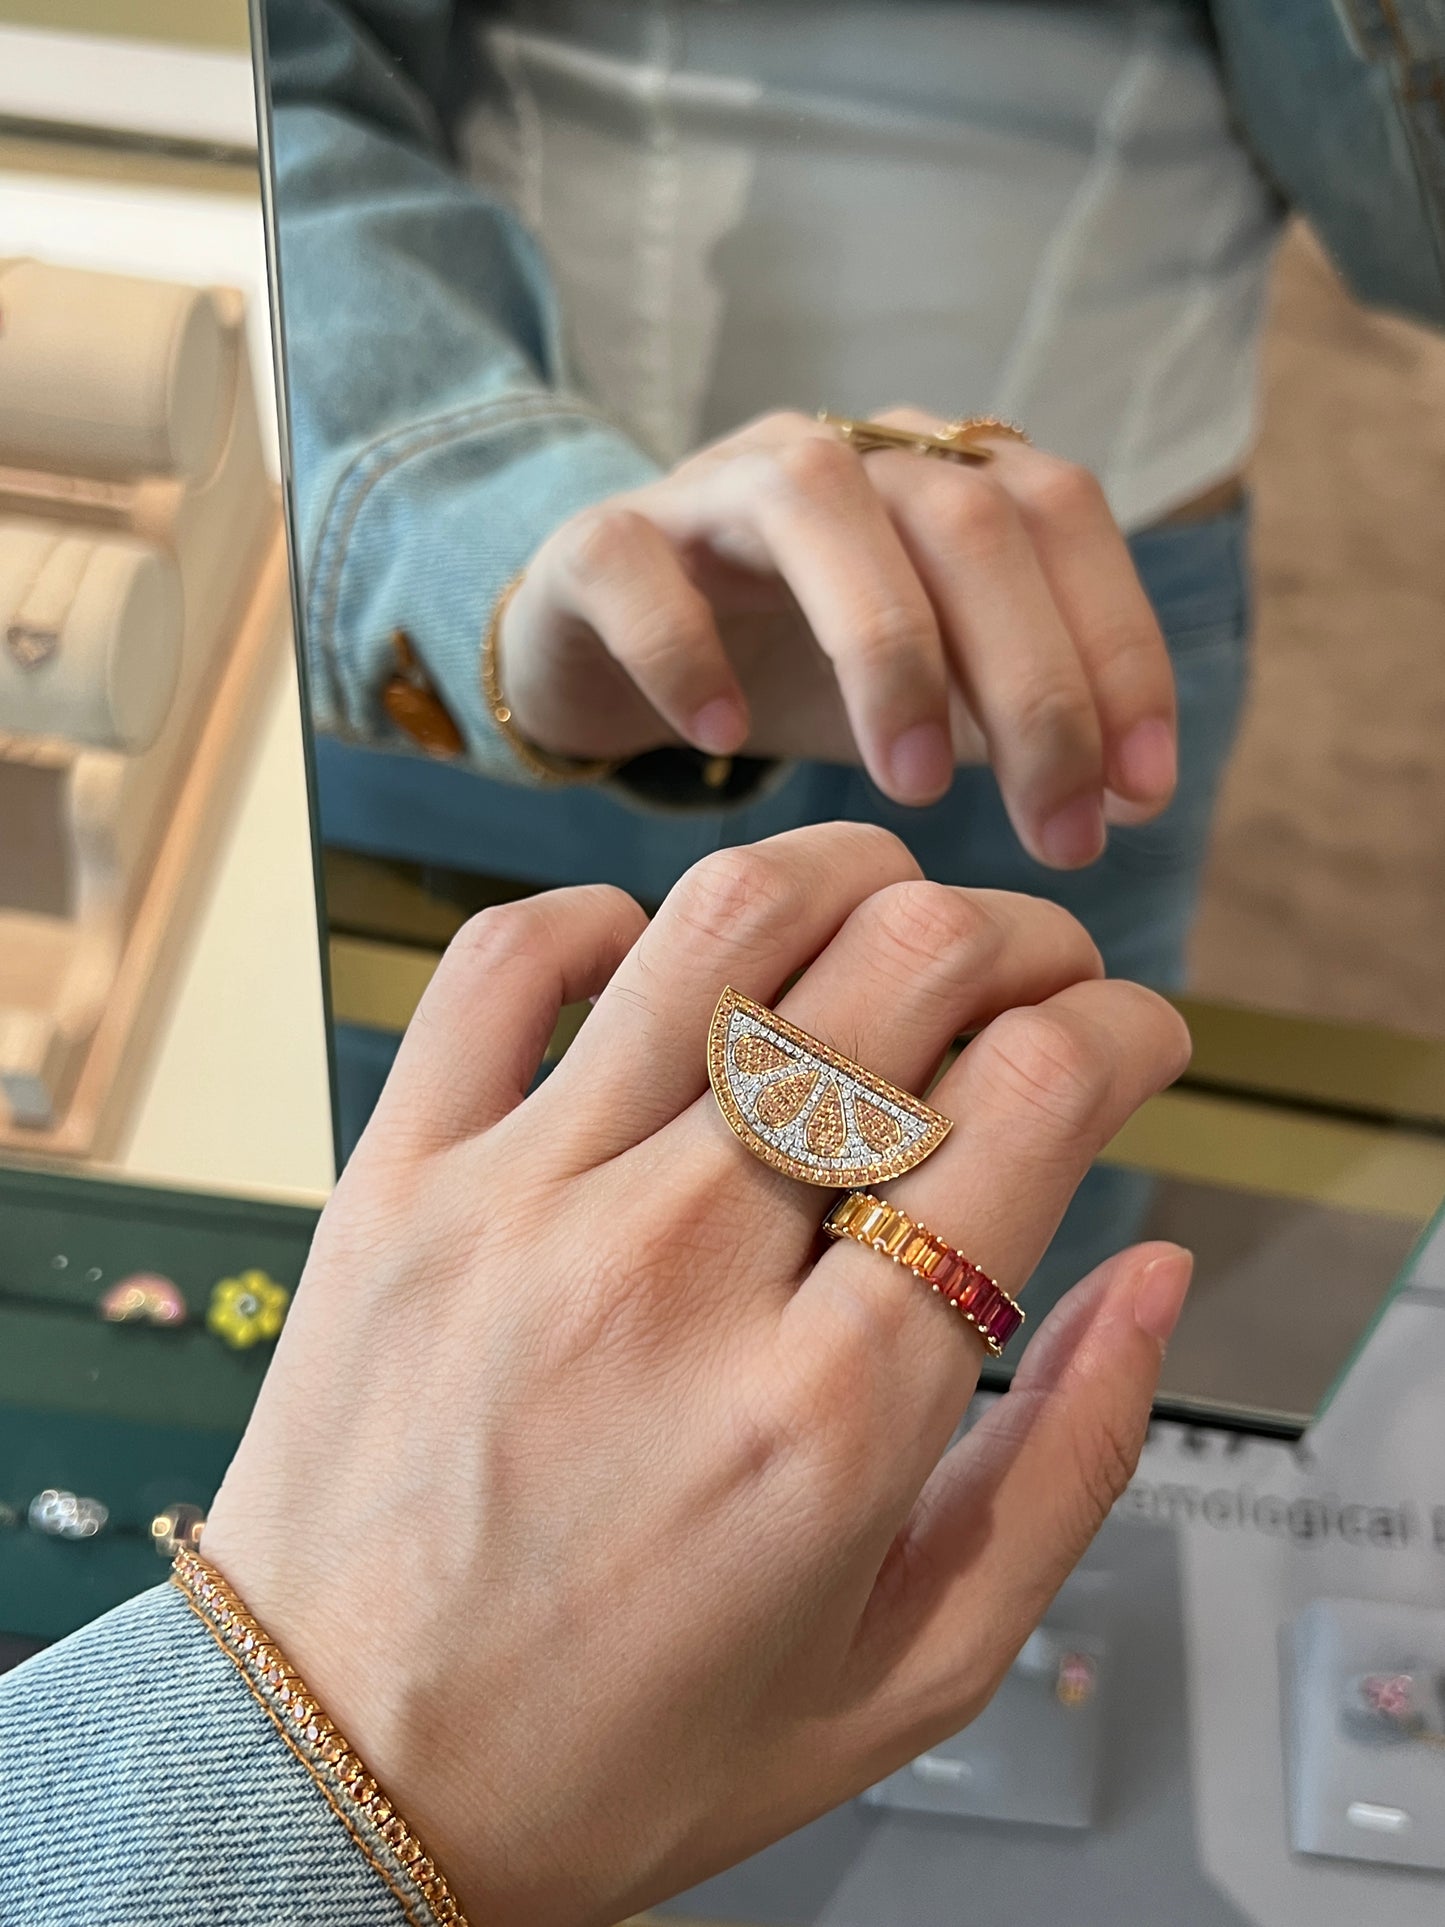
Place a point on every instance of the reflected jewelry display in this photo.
(64, 1515)
(176, 1529)
(884, 1228)
(1076, 1679)
(243, 1311)
(1392, 1708)
(960, 441)
(145, 1298)
(31, 636)
(805, 1109)
(58, 1514)
(247, 1310)
(540, 763)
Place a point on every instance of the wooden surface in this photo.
(1326, 889)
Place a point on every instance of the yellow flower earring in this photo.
(245, 1311)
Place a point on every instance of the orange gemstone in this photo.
(754, 1054)
(893, 1240)
(947, 1273)
(879, 1129)
(780, 1103)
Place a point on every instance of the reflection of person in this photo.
(1040, 208)
(539, 260)
(577, 1493)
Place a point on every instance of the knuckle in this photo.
(774, 421)
(1060, 491)
(666, 633)
(869, 846)
(494, 937)
(889, 638)
(601, 543)
(814, 466)
(1060, 714)
(1049, 1067)
(734, 893)
(976, 517)
(1108, 1458)
(1130, 650)
(927, 924)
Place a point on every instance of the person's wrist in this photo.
(545, 765)
(380, 1672)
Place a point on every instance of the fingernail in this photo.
(720, 727)
(1161, 1291)
(1075, 835)
(921, 763)
(1147, 759)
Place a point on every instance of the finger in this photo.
(477, 1037)
(614, 570)
(751, 917)
(806, 508)
(913, 967)
(1035, 1097)
(1014, 1505)
(1009, 647)
(1102, 601)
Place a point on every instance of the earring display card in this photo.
(1364, 1713)
(1035, 1754)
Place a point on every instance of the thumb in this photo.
(1012, 1507)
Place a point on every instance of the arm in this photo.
(140, 1782)
(1340, 100)
(626, 1565)
(434, 442)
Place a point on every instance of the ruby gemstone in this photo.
(1004, 1321)
(948, 1273)
(986, 1303)
(967, 1295)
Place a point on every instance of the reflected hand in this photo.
(782, 594)
(614, 1522)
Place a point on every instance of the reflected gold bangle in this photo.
(374, 1824)
(540, 763)
(883, 1227)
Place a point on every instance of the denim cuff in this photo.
(141, 1785)
(423, 535)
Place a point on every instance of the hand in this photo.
(611, 1520)
(780, 593)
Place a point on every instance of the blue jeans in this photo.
(1137, 901)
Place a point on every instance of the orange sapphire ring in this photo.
(807, 1110)
(979, 1299)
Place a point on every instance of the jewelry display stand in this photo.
(142, 585)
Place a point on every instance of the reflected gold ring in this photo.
(960, 441)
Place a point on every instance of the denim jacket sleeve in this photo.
(142, 1786)
(1343, 101)
(434, 441)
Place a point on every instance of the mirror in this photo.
(165, 1107)
(534, 255)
